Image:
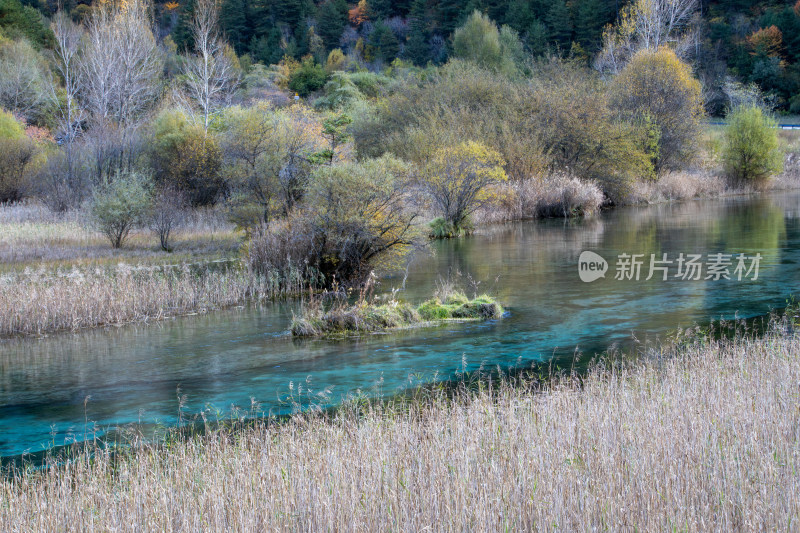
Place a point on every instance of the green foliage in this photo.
(358, 214)
(18, 159)
(182, 155)
(23, 21)
(120, 204)
(334, 129)
(480, 41)
(308, 78)
(383, 44)
(10, 129)
(751, 152)
(339, 92)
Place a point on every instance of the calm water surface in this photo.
(226, 360)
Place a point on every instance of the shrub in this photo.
(658, 87)
(17, 156)
(166, 212)
(457, 178)
(308, 78)
(751, 152)
(352, 222)
(119, 205)
(182, 155)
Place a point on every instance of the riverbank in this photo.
(703, 437)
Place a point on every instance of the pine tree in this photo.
(182, 34)
(331, 20)
(590, 18)
(233, 21)
(519, 15)
(417, 48)
(449, 15)
(559, 25)
(384, 43)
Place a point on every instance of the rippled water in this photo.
(231, 358)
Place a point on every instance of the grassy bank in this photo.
(363, 317)
(702, 439)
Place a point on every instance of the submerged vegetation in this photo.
(704, 436)
(342, 319)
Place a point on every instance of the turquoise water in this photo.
(225, 361)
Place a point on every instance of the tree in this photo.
(334, 129)
(121, 64)
(383, 43)
(559, 24)
(457, 177)
(358, 218)
(25, 83)
(659, 86)
(751, 152)
(331, 21)
(184, 156)
(480, 41)
(645, 24)
(233, 22)
(120, 205)
(308, 78)
(70, 114)
(417, 49)
(211, 76)
(17, 155)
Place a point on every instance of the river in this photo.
(69, 387)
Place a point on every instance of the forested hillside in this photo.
(755, 42)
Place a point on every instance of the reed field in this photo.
(700, 438)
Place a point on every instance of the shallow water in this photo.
(59, 389)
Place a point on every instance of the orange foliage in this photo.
(171, 6)
(358, 14)
(38, 134)
(797, 8)
(767, 41)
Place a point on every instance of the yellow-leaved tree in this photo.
(658, 89)
(457, 180)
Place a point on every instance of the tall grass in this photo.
(707, 439)
(36, 302)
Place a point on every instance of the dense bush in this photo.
(658, 87)
(119, 205)
(17, 159)
(751, 152)
(182, 155)
(352, 222)
(309, 77)
(457, 179)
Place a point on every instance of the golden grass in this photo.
(705, 440)
(40, 301)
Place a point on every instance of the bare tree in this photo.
(647, 24)
(122, 63)
(211, 76)
(167, 210)
(70, 115)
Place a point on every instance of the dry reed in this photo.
(39, 301)
(707, 439)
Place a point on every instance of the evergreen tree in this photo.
(233, 21)
(417, 48)
(590, 18)
(267, 48)
(384, 43)
(379, 9)
(331, 20)
(182, 34)
(559, 25)
(449, 15)
(519, 15)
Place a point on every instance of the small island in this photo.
(364, 317)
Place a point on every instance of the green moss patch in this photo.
(370, 318)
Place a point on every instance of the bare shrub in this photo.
(166, 213)
(557, 195)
